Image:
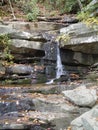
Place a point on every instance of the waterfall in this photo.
(59, 66)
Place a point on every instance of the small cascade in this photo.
(59, 66)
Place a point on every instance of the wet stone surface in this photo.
(37, 107)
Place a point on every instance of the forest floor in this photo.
(6, 13)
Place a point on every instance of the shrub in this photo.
(31, 10)
(5, 48)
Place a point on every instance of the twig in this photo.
(14, 17)
(80, 4)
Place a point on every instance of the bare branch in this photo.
(14, 17)
(80, 4)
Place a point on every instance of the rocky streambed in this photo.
(48, 107)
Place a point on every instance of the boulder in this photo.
(6, 29)
(87, 121)
(14, 126)
(81, 96)
(72, 57)
(56, 120)
(24, 35)
(19, 69)
(35, 26)
(25, 47)
(56, 110)
(24, 31)
(53, 103)
(80, 38)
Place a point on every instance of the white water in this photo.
(59, 66)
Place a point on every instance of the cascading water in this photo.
(59, 66)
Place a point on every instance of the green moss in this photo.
(92, 76)
(64, 38)
(18, 81)
(41, 78)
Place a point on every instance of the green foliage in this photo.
(33, 15)
(64, 38)
(31, 9)
(85, 16)
(5, 48)
(91, 22)
(4, 40)
(69, 5)
(63, 6)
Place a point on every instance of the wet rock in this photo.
(56, 120)
(12, 105)
(7, 107)
(19, 69)
(26, 104)
(41, 78)
(49, 105)
(54, 110)
(81, 96)
(52, 104)
(13, 114)
(86, 121)
(50, 51)
(14, 126)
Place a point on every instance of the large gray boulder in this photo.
(81, 96)
(87, 121)
(35, 26)
(6, 29)
(19, 69)
(81, 38)
(56, 110)
(17, 44)
(73, 57)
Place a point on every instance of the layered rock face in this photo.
(83, 41)
(29, 44)
(34, 44)
(55, 107)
